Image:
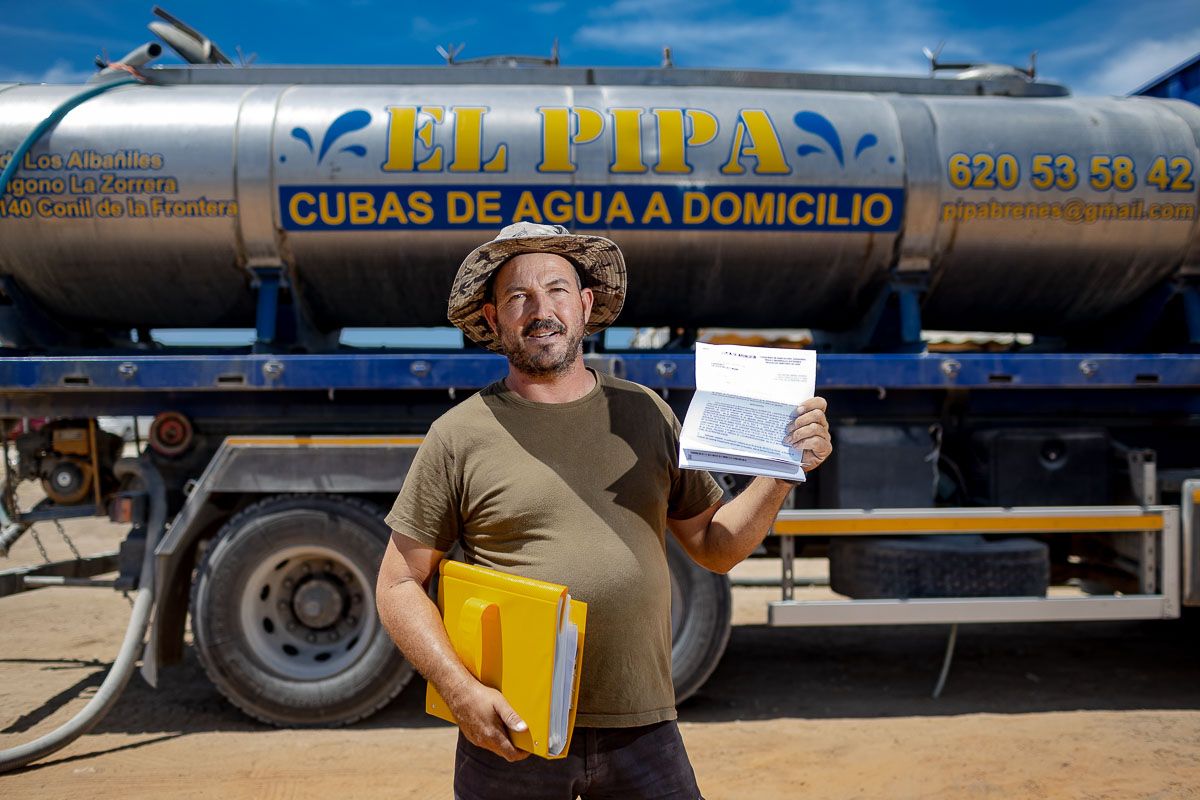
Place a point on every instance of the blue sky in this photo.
(1102, 47)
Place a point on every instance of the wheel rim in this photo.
(307, 612)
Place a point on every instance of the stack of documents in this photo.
(521, 636)
(745, 398)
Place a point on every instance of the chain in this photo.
(62, 532)
(38, 541)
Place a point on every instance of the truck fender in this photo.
(245, 468)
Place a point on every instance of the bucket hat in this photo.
(598, 259)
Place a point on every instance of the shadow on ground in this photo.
(820, 673)
(814, 673)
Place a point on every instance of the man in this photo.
(563, 474)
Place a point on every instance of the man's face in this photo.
(539, 313)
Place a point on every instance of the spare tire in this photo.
(938, 566)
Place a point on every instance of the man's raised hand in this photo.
(808, 432)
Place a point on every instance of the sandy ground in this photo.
(1104, 710)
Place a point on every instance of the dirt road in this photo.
(1109, 710)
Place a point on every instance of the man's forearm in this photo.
(740, 525)
(414, 624)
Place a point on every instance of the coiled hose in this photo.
(140, 469)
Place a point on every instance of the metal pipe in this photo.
(946, 660)
(9, 531)
(769, 582)
(137, 57)
(39, 581)
(131, 647)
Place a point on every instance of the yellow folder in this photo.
(506, 630)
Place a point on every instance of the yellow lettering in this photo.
(589, 124)
(326, 216)
(558, 136)
(834, 219)
(489, 207)
(401, 135)
(362, 208)
(704, 127)
(556, 206)
(391, 209)
(877, 209)
(656, 209)
(618, 207)
(302, 218)
(527, 208)
(425, 133)
(588, 216)
(735, 208)
(695, 207)
(796, 218)
(627, 140)
(759, 209)
(406, 126)
(556, 140)
(468, 143)
(671, 147)
(420, 208)
(460, 207)
(755, 137)
(674, 141)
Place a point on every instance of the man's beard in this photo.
(536, 361)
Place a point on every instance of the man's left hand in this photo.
(809, 433)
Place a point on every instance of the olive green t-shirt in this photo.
(575, 493)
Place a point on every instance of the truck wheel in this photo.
(938, 566)
(283, 612)
(701, 609)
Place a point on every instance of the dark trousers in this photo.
(625, 763)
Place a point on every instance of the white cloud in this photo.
(1102, 47)
(825, 36)
(424, 28)
(57, 37)
(61, 71)
(1139, 62)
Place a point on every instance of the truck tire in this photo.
(283, 612)
(938, 566)
(701, 611)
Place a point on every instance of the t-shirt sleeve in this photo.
(692, 490)
(427, 508)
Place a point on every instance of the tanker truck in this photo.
(1001, 281)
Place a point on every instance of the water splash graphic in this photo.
(818, 125)
(867, 140)
(302, 135)
(347, 123)
(353, 120)
(808, 149)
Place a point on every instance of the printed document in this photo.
(745, 398)
(566, 649)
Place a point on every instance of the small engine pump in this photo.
(60, 455)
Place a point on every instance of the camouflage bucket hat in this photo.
(598, 259)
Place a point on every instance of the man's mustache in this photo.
(543, 326)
